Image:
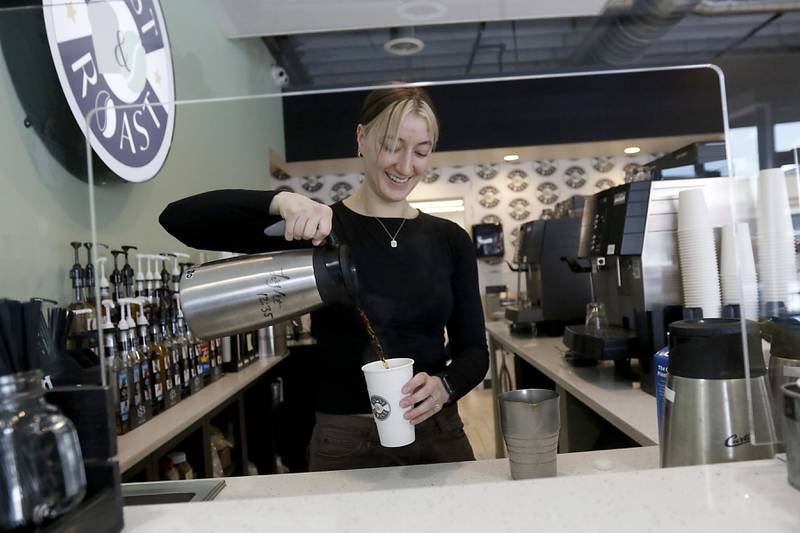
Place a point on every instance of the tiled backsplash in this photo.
(505, 193)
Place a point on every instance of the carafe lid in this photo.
(712, 348)
(785, 342)
(335, 273)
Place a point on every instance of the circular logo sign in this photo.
(575, 177)
(340, 191)
(312, 183)
(114, 63)
(489, 197)
(545, 167)
(548, 193)
(519, 209)
(603, 164)
(458, 178)
(518, 180)
(487, 171)
(603, 184)
(431, 175)
(380, 407)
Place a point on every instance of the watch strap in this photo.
(447, 386)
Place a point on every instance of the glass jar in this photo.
(596, 318)
(41, 466)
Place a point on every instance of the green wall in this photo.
(43, 208)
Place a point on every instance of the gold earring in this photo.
(360, 155)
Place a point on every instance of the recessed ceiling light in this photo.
(510, 157)
(421, 10)
(403, 43)
(630, 150)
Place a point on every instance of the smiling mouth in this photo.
(397, 179)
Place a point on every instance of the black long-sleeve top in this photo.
(410, 293)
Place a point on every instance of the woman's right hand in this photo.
(305, 218)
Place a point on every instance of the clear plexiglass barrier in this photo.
(118, 110)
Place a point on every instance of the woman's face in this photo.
(392, 171)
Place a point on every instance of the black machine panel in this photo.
(614, 221)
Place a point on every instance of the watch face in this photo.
(115, 67)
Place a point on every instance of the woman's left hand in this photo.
(428, 392)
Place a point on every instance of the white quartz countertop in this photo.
(750, 496)
(135, 445)
(600, 387)
(430, 475)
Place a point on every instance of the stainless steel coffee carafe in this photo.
(706, 412)
(249, 292)
(784, 364)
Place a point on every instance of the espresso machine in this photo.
(555, 295)
(628, 235)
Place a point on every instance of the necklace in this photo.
(393, 241)
(393, 238)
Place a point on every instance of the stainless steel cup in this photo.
(530, 421)
(791, 431)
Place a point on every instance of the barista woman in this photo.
(417, 277)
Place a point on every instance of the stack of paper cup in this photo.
(775, 240)
(698, 254)
(738, 270)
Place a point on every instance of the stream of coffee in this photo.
(376, 344)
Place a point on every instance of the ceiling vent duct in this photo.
(402, 42)
(619, 40)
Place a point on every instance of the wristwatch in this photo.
(447, 386)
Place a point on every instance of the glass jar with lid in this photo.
(40, 456)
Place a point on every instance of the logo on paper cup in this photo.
(380, 407)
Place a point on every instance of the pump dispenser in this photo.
(140, 281)
(127, 271)
(89, 270)
(177, 270)
(83, 320)
(150, 279)
(88, 273)
(76, 274)
(105, 293)
(164, 273)
(158, 278)
(116, 275)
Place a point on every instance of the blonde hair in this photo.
(384, 110)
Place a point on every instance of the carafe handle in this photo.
(278, 229)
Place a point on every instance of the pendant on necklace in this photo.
(393, 243)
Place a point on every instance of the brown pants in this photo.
(343, 442)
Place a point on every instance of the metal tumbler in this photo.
(791, 431)
(531, 422)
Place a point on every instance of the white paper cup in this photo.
(384, 388)
(692, 210)
(774, 214)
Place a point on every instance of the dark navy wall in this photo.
(526, 112)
